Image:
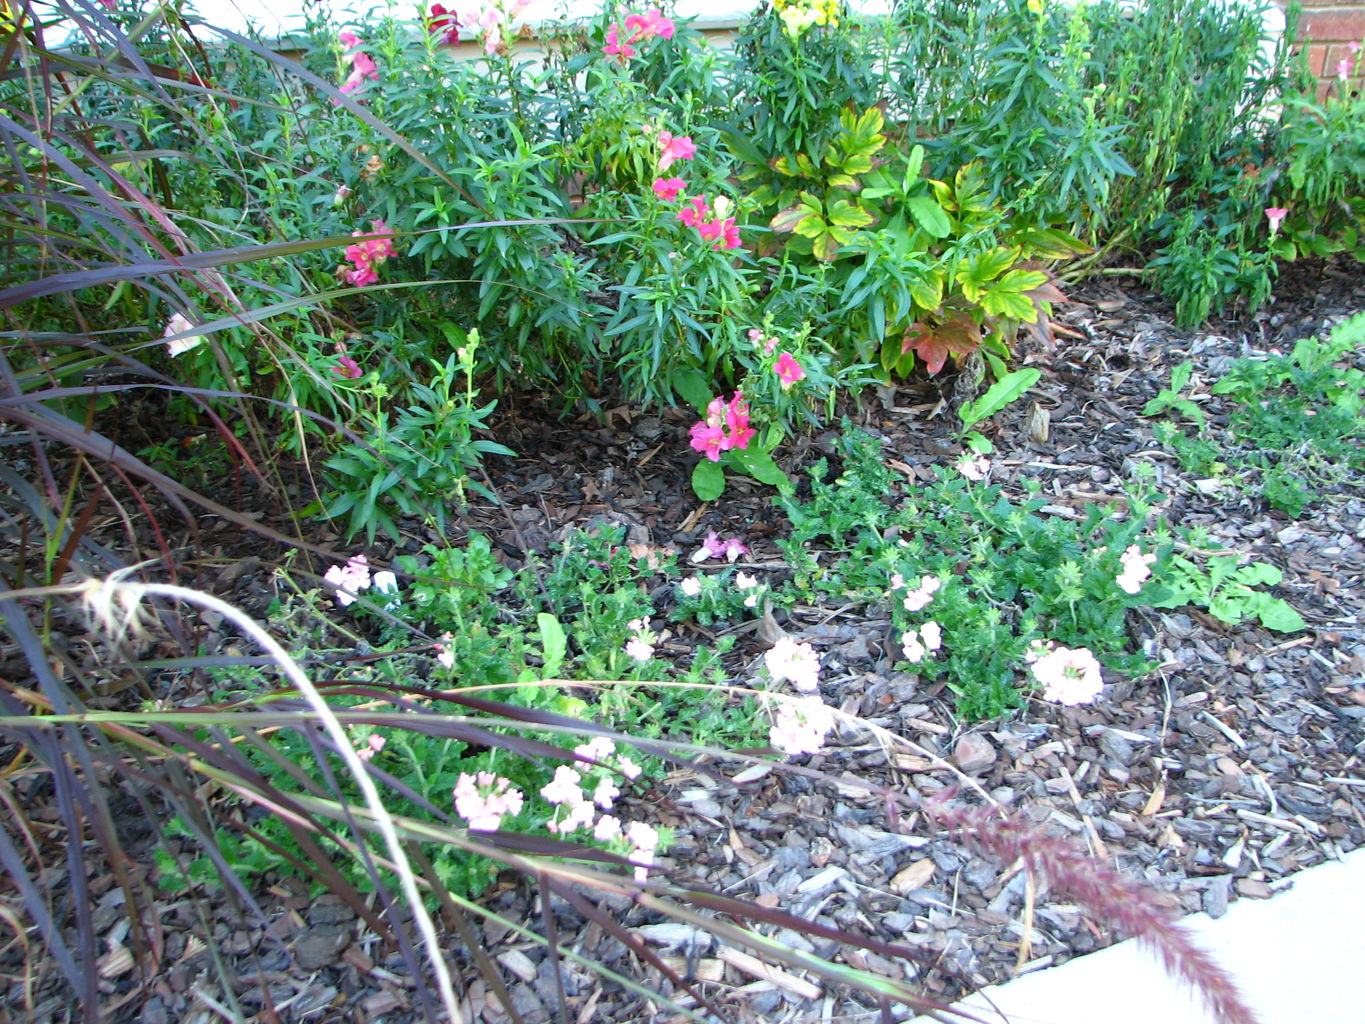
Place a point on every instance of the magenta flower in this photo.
(621, 51)
(694, 212)
(680, 148)
(1276, 216)
(788, 370)
(347, 368)
(367, 254)
(667, 189)
(443, 21)
(709, 440)
(348, 40)
(648, 25)
(714, 547)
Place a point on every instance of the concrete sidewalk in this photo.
(1298, 958)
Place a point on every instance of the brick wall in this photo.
(1326, 27)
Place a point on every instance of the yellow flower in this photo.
(1036, 6)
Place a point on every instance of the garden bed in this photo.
(1212, 778)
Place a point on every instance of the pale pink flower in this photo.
(373, 746)
(445, 653)
(911, 647)
(605, 794)
(897, 581)
(920, 597)
(178, 324)
(564, 788)
(788, 370)
(599, 748)
(743, 581)
(639, 649)
(628, 768)
(1276, 216)
(645, 841)
(674, 148)
(931, 634)
(1136, 568)
(1344, 68)
(800, 725)
(975, 468)
(734, 547)
(795, 662)
(1069, 676)
(690, 587)
(484, 800)
(580, 816)
(608, 827)
(349, 579)
(667, 189)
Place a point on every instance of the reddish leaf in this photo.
(934, 344)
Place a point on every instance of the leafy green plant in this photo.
(423, 459)
(1295, 426)
(1004, 577)
(1228, 590)
(1169, 398)
(1008, 388)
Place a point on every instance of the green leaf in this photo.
(929, 216)
(708, 480)
(694, 387)
(809, 208)
(849, 214)
(554, 644)
(1279, 616)
(1003, 302)
(1180, 376)
(760, 465)
(998, 395)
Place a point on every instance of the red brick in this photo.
(1317, 59)
(1335, 24)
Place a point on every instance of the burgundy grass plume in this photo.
(1129, 906)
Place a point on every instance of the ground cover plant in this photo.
(317, 279)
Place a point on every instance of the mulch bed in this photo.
(1236, 764)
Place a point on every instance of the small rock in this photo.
(973, 752)
(1117, 747)
(1216, 896)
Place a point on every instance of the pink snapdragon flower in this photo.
(974, 467)
(762, 340)
(348, 40)
(721, 231)
(362, 67)
(615, 48)
(788, 370)
(641, 27)
(668, 189)
(347, 368)
(349, 579)
(1276, 216)
(1136, 568)
(713, 547)
(800, 725)
(648, 25)
(726, 426)
(367, 254)
(485, 799)
(673, 148)
(1068, 676)
(445, 22)
(797, 663)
